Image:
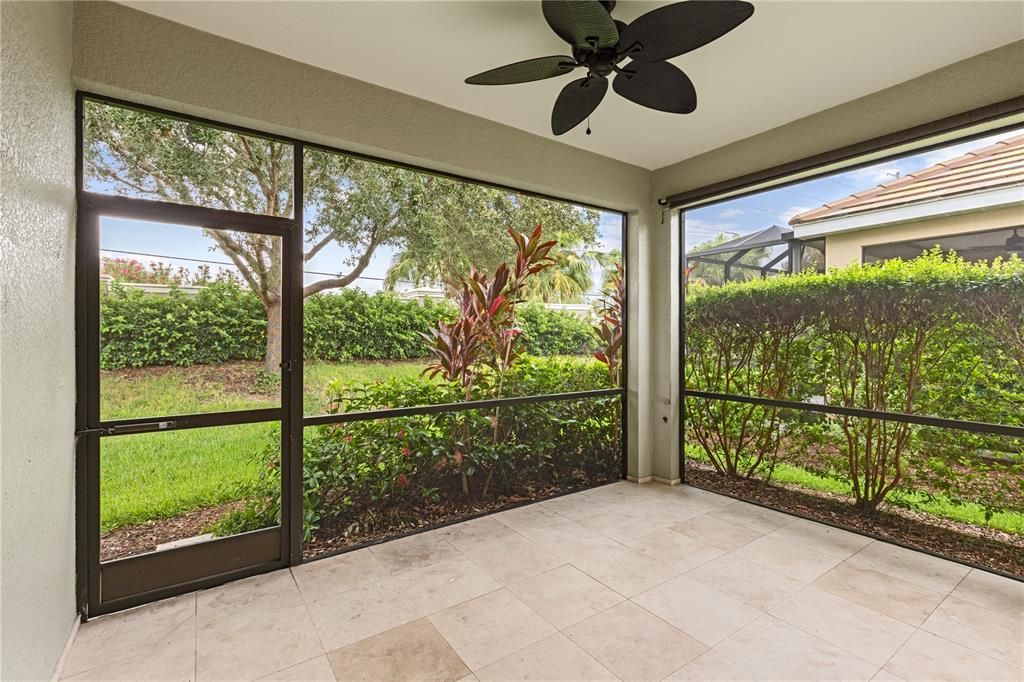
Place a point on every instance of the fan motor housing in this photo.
(599, 62)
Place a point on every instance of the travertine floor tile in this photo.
(775, 596)
(261, 593)
(633, 643)
(880, 592)
(574, 507)
(570, 540)
(553, 658)
(139, 632)
(928, 658)
(625, 570)
(533, 516)
(779, 651)
(992, 591)
(674, 549)
(702, 612)
(565, 595)
(254, 642)
(857, 630)
(711, 665)
(787, 558)
(324, 577)
(414, 552)
(414, 652)
(622, 527)
(825, 539)
(357, 614)
(749, 582)
(754, 517)
(490, 627)
(473, 534)
(513, 559)
(717, 532)
(988, 632)
(171, 657)
(314, 670)
(921, 569)
(439, 586)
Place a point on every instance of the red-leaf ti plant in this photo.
(485, 335)
(609, 328)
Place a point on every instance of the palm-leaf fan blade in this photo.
(524, 71)
(577, 100)
(581, 23)
(676, 29)
(660, 86)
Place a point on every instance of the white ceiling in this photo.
(789, 60)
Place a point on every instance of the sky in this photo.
(775, 207)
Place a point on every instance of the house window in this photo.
(972, 246)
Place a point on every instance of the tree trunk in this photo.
(272, 359)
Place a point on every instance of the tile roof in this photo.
(994, 167)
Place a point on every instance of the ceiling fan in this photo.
(600, 44)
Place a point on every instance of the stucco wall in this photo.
(845, 248)
(37, 389)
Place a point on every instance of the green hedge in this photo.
(932, 336)
(222, 322)
(550, 332)
(226, 322)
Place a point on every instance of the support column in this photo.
(654, 270)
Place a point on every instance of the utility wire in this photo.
(232, 265)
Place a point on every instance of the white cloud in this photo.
(730, 213)
(786, 215)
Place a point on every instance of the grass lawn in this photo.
(161, 475)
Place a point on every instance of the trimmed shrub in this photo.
(353, 325)
(552, 332)
(225, 321)
(930, 336)
(222, 322)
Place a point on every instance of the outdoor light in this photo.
(1015, 243)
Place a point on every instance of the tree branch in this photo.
(345, 280)
(316, 248)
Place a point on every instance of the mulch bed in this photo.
(144, 537)
(976, 545)
(339, 533)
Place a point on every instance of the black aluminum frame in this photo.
(710, 195)
(152, 576)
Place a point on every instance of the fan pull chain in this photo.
(588, 125)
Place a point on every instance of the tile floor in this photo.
(621, 582)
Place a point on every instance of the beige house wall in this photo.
(846, 247)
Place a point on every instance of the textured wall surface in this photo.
(37, 385)
(987, 78)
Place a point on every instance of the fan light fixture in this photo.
(600, 44)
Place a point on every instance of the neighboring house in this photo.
(973, 204)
